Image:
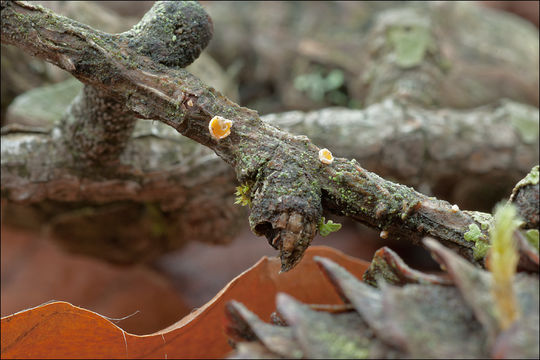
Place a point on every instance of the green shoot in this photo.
(502, 263)
(325, 228)
(242, 195)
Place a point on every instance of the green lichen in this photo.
(341, 347)
(525, 120)
(481, 244)
(325, 228)
(484, 219)
(532, 237)
(243, 195)
(531, 179)
(410, 44)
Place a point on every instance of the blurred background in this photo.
(268, 56)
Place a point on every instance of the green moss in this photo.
(243, 195)
(481, 244)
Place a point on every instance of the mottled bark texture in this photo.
(165, 190)
(434, 154)
(287, 184)
(93, 209)
(97, 127)
(307, 55)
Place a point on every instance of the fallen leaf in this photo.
(61, 330)
(35, 270)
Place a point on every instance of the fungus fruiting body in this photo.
(325, 156)
(454, 208)
(384, 234)
(220, 127)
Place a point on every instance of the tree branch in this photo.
(177, 177)
(288, 184)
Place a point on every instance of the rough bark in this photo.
(448, 153)
(288, 185)
(419, 147)
(97, 127)
(452, 54)
(525, 197)
(165, 191)
(22, 72)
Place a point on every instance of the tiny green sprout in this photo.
(481, 244)
(325, 228)
(242, 195)
(503, 261)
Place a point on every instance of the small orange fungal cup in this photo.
(220, 127)
(325, 156)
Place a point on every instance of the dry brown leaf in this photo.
(61, 330)
(35, 270)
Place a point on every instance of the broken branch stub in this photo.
(287, 199)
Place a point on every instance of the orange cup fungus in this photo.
(325, 156)
(220, 127)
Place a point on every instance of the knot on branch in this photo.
(173, 33)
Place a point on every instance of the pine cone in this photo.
(397, 313)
